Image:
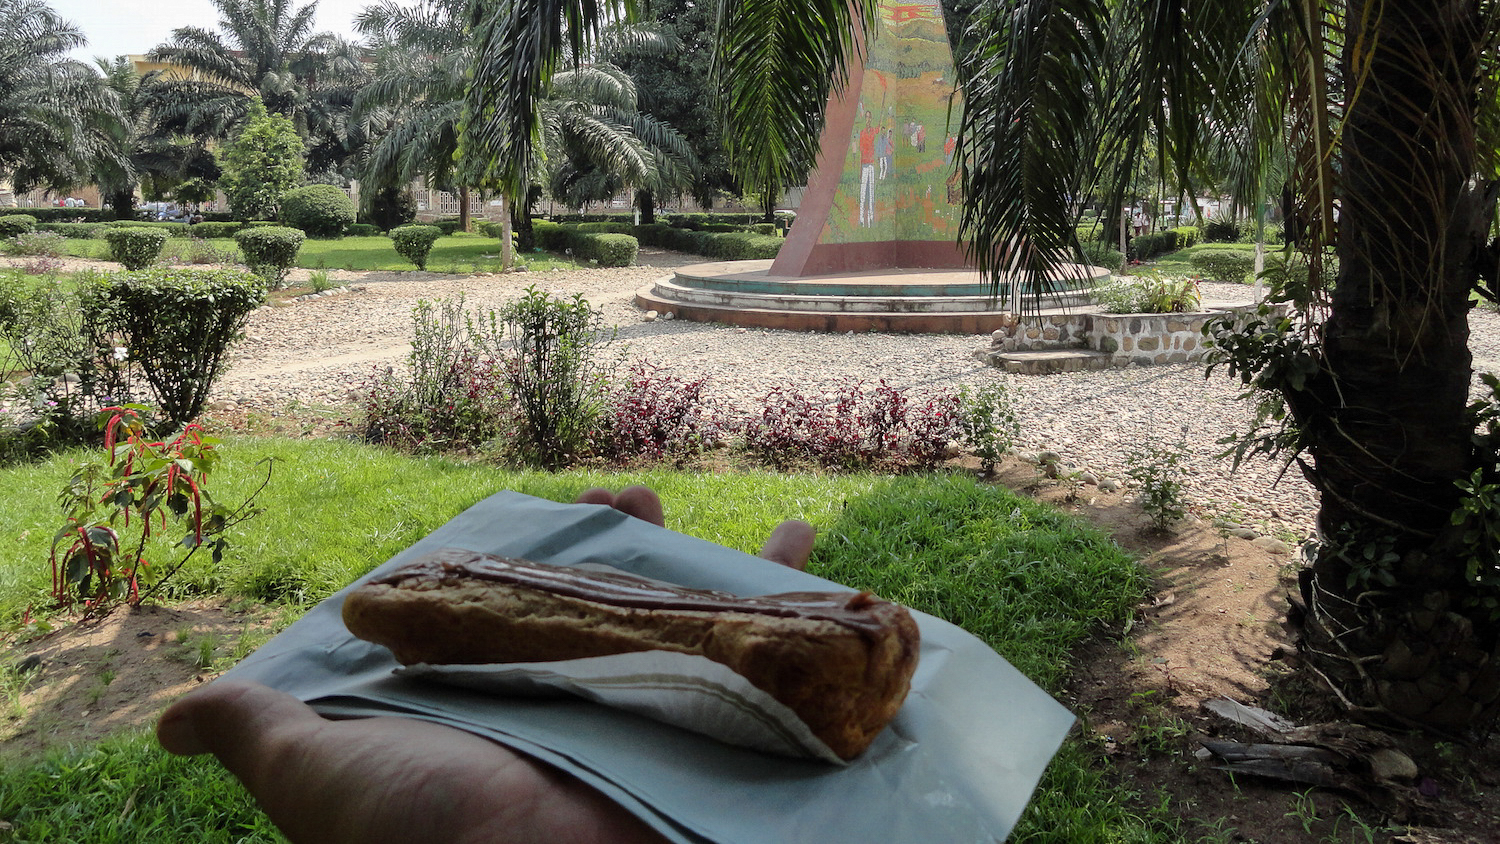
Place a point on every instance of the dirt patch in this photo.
(89, 678)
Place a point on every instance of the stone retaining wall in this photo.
(1127, 338)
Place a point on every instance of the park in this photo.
(1282, 537)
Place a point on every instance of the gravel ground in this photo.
(318, 351)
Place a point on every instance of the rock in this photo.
(651, 316)
(1109, 485)
(1388, 763)
(670, 315)
(1048, 457)
(1243, 533)
(1272, 545)
(1088, 478)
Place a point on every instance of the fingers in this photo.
(643, 503)
(638, 501)
(790, 544)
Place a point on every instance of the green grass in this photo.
(463, 252)
(1027, 579)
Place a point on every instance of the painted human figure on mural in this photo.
(883, 153)
(867, 171)
(948, 147)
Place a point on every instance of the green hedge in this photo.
(1103, 255)
(178, 324)
(363, 230)
(606, 228)
(322, 211)
(728, 246)
(446, 225)
(136, 248)
(69, 215)
(612, 248)
(172, 229)
(207, 229)
(1231, 266)
(15, 224)
(270, 251)
(1187, 236)
(77, 231)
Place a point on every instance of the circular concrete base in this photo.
(914, 301)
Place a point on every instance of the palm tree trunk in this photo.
(463, 209)
(645, 200)
(507, 250)
(1385, 417)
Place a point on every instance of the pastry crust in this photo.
(841, 661)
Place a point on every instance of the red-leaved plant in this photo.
(147, 483)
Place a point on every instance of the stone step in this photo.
(872, 301)
(1046, 361)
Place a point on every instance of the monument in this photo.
(875, 243)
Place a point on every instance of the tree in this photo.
(134, 157)
(266, 49)
(262, 162)
(49, 134)
(675, 88)
(1386, 110)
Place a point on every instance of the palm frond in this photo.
(775, 64)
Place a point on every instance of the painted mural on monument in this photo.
(899, 180)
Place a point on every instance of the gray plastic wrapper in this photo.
(958, 764)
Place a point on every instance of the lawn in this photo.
(1029, 580)
(463, 252)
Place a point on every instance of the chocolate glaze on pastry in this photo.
(841, 661)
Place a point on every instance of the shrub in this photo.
(36, 244)
(172, 229)
(609, 250)
(453, 395)
(76, 231)
(259, 224)
(390, 208)
(766, 229)
(987, 422)
(1185, 236)
(149, 481)
(363, 230)
(847, 429)
(447, 225)
(1147, 246)
(1221, 230)
(60, 334)
(414, 243)
(196, 250)
(136, 248)
(605, 228)
(1102, 255)
(322, 211)
(209, 230)
(551, 237)
(1157, 470)
(260, 163)
(552, 374)
(1149, 292)
(270, 251)
(652, 414)
(14, 224)
(1223, 265)
(178, 325)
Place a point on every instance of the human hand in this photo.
(390, 780)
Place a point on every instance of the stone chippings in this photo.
(321, 351)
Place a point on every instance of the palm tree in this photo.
(588, 119)
(134, 155)
(1387, 110)
(266, 48)
(48, 102)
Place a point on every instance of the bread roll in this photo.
(841, 661)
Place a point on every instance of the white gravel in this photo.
(318, 351)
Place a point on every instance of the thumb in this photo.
(244, 724)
